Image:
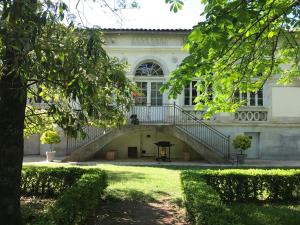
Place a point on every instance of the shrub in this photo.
(50, 137)
(80, 191)
(48, 182)
(78, 202)
(207, 192)
(203, 204)
(242, 142)
(255, 184)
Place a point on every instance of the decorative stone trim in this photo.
(251, 115)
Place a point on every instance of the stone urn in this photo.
(50, 156)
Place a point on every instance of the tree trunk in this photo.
(12, 107)
(12, 114)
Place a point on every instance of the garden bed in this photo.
(55, 195)
(33, 207)
(242, 197)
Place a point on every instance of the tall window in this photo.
(156, 96)
(149, 69)
(251, 98)
(190, 93)
(142, 98)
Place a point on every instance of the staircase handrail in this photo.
(200, 121)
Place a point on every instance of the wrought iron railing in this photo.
(203, 132)
(165, 114)
(92, 133)
(162, 114)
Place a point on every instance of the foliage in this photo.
(203, 204)
(65, 66)
(41, 56)
(32, 207)
(79, 202)
(175, 5)
(48, 182)
(254, 184)
(50, 137)
(72, 207)
(239, 46)
(242, 142)
(214, 196)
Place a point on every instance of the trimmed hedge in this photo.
(48, 181)
(203, 204)
(80, 194)
(208, 193)
(275, 185)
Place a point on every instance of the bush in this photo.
(203, 204)
(50, 137)
(255, 185)
(207, 192)
(241, 142)
(48, 182)
(80, 189)
(77, 203)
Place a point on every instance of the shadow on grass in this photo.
(129, 195)
(267, 214)
(126, 212)
(119, 176)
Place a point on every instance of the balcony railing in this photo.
(166, 114)
(250, 115)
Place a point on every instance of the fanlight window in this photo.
(149, 69)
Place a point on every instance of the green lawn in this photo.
(143, 183)
(267, 214)
(150, 184)
(153, 183)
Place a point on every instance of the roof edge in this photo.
(143, 30)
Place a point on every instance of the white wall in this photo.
(145, 141)
(165, 49)
(285, 102)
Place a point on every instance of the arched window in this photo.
(149, 69)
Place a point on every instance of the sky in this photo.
(150, 14)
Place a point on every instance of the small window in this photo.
(149, 69)
(251, 98)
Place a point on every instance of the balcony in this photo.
(251, 115)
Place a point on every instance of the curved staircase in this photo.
(173, 120)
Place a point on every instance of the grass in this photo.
(267, 214)
(143, 183)
(150, 184)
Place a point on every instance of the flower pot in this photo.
(50, 156)
(186, 156)
(111, 155)
(240, 158)
(134, 119)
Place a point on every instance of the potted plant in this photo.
(241, 143)
(50, 137)
(134, 119)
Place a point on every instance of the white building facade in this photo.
(271, 117)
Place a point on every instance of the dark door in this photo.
(132, 152)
